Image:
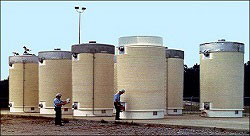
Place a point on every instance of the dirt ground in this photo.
(11, 125)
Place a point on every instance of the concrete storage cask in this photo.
(141, 71)
(55, 76)
(115, 76)
(221, 78)
(115, 80)
(23, 83)
(93, 79)
(175, 81)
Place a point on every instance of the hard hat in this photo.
(58, 95)
(122, 91)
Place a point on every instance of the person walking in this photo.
(117, 103)
(58, 103)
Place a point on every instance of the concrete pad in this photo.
(187, 120)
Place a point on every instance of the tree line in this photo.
(4, 93)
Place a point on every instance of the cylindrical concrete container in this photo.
(93, 79)
(175, 81)
(115, 79)
(141, 71)
(221, 79)
(23, 83)
(115, 75)
(55, 76)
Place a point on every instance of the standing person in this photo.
(58, 103)
(117, 103)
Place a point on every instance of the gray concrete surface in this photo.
(186, 120)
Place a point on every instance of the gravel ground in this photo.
(44, 126)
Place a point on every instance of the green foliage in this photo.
(4, 93)
(247, 84)
(192, 81)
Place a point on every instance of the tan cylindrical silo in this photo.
(55, 76)
(93, 79)
(115, 80)
(175, 81)
(141, 71)
(115, 75)
(23, 83)
(221, 79)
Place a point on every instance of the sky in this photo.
(43, 26)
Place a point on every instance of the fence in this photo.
(191, 105)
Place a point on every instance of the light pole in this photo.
(79, 10)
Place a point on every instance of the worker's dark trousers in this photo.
(117, 108)
(58, 116)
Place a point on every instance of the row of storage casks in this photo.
(91, 84)
(85, 74)
(151, 74)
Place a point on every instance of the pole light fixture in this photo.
(80, 10)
